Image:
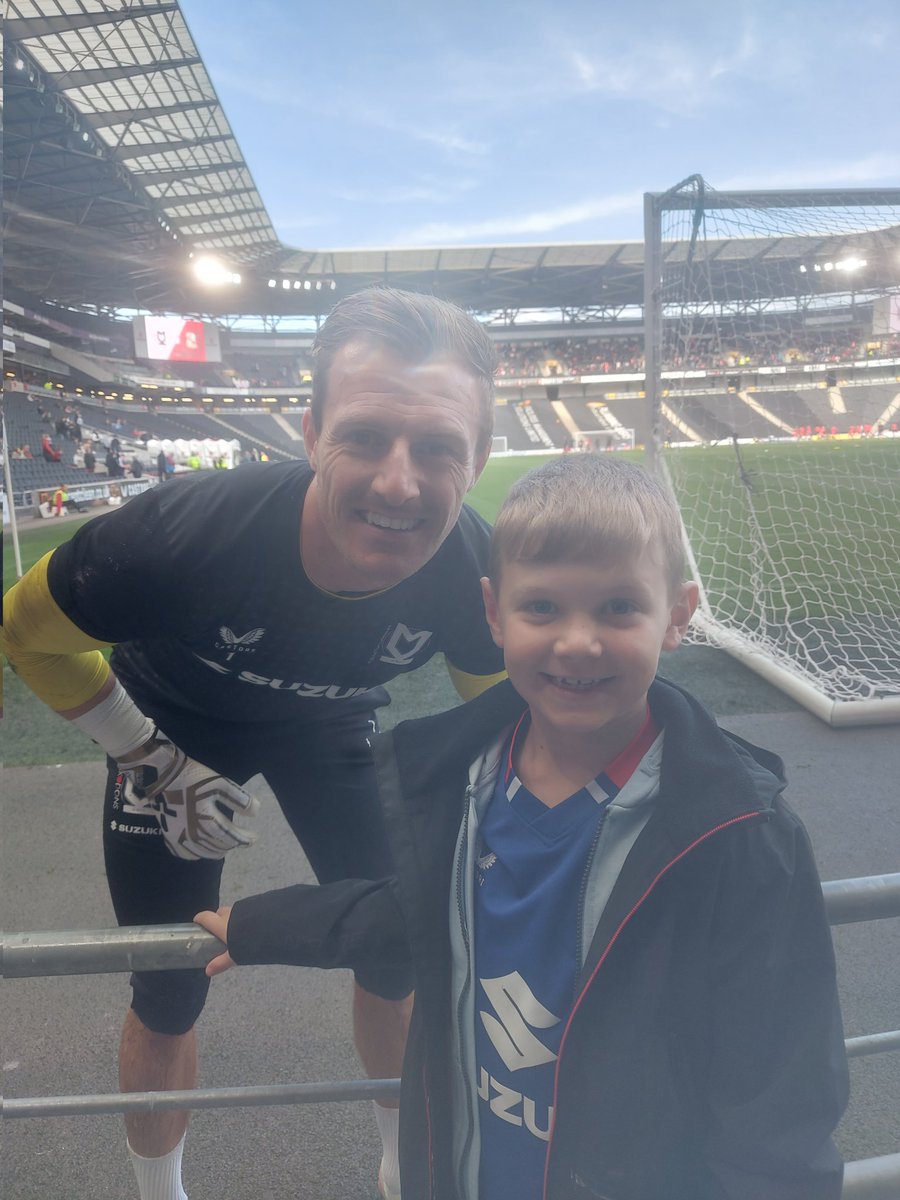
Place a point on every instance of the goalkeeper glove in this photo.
(195, 806)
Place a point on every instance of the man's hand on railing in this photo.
(216, 923)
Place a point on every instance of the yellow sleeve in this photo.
(470, 686)
(49, 653)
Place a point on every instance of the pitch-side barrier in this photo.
(167, 947)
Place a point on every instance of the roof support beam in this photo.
(190, 221)
(214, 231)
(140, 116)
(185, 172)
(69, 80)
(17, 29)
(172, 201)
(125, 153)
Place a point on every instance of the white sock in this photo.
(159, 1178)
(388, 1121)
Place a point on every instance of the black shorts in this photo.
(323, 777)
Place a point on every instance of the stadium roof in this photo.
(118, 154)
(119, 161)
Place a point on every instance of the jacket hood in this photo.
(725, 775)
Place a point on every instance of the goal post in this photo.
(772, 394)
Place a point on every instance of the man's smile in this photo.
(397, 524)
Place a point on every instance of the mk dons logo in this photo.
(402, 644)
(516, 1009)
(237, 644)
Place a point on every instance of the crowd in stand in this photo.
(570, 356)
(552, 357)
(624, 355)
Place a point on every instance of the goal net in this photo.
(772, 344)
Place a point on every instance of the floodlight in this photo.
(827, 266)
(273, 283)
(850, 264)
(307, 285)
(802, 268)
(286, 283)
(210, 271)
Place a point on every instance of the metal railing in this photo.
(168, 947)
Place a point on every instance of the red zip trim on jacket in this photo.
(612, 941)
(428, 1127)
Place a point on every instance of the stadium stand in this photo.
(871, 405)
(792, 407)
(702, 421)
(507, 425)
(254, 430)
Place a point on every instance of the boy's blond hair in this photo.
(582, 507)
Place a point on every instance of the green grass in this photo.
(827, 511)
(816, 532)
(34, 543)
(498, 477)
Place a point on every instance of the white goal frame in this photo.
(788, 674)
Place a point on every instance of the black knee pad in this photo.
(388, 983)
(169, 1001)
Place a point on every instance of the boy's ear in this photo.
(680, 615)
(492, 611)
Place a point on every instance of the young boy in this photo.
(624, 975)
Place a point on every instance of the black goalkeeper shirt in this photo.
(200, 585)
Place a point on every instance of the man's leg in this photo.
(380, 1030)
(325, 784)
(149, 886)
(155, 1062)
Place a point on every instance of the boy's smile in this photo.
(582, 641)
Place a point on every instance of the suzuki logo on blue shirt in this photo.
(517, 1008)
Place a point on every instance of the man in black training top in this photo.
(256, 615)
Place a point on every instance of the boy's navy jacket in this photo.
(704, 1056)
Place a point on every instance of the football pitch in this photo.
(827, 512)
(811, 526)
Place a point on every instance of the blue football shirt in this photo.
(530, 868)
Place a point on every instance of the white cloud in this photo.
(673, 74)
(524, 224)
(355, 110)
(859, 172)
(445, 139)
(436, 193)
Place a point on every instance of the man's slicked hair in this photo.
(413, 326)
(581, 507)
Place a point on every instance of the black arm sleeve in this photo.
(353, 923)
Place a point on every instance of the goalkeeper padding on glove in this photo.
(194, 805)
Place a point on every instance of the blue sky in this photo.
(393, 123)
